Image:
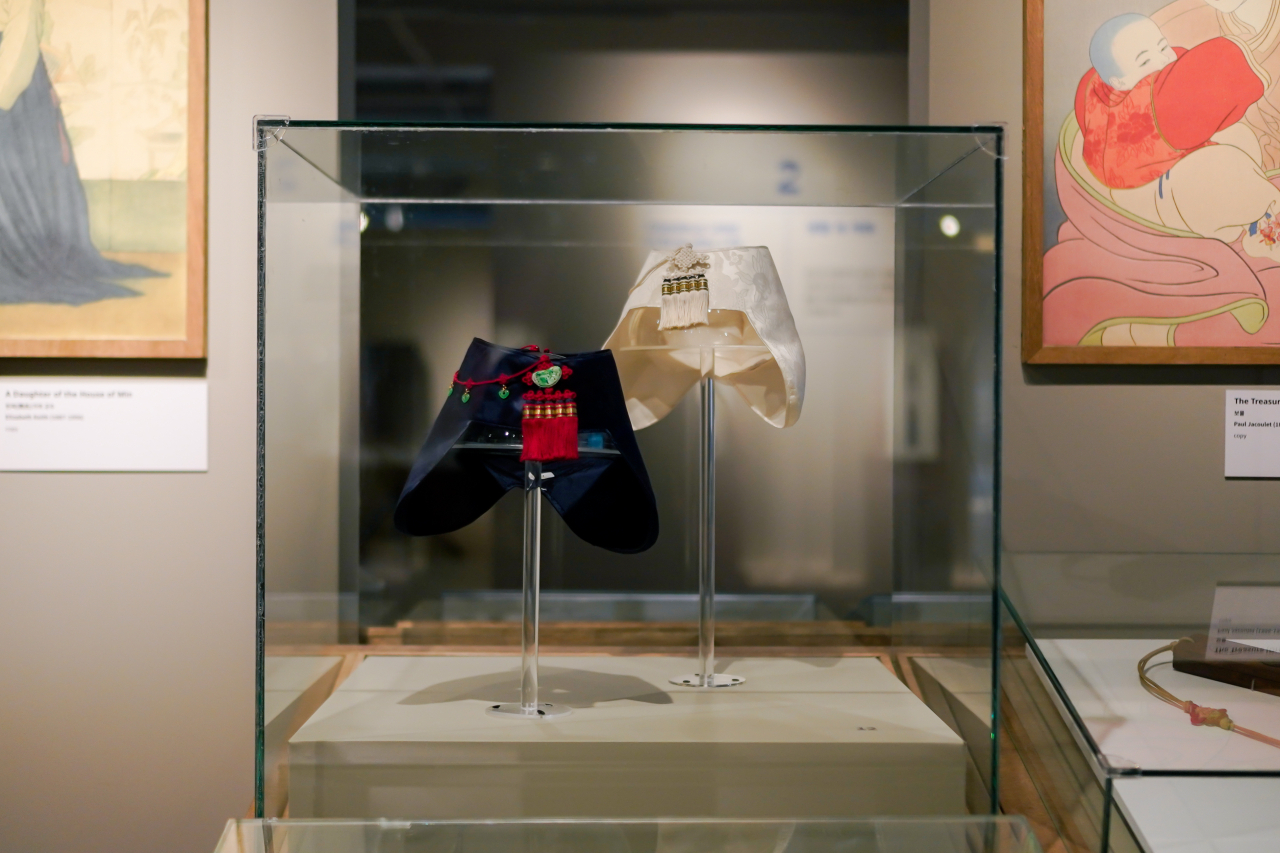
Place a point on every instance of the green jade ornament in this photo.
(547, 378)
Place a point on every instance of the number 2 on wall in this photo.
(789, 183)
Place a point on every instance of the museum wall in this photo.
(702, 87)
(127, 617)
(1114, 498)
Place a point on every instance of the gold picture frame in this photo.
(1043, 122)
(129, 81)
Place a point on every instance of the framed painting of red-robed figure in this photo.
(102, 178)
(1151, 197)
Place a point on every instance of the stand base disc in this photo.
(718, 679)
(514, 709)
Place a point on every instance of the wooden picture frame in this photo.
(168, 323)
(1035, 350)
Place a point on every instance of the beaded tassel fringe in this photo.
(549, 426)
(686, 302)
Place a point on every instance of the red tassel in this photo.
(549, 426)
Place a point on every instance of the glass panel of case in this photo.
(854, 550)
(964, 835)
(1142, 649)
(1121, 767)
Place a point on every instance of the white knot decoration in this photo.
(686, 297)
(686, 260)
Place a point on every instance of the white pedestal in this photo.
(1133, 727)
(286, 679)
(804, 737)
(1203, 815)
(964, 686)
(959, 690)
(293, 687)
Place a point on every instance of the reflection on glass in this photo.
(975, 835)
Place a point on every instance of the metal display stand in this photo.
(706, 676)
(529, 706)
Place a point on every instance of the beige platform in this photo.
(959, 690)
(804, 737)
(1204, 814)
(293, 687)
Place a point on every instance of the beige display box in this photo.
(294, 687)
(408, 737)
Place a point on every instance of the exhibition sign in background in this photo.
(1253, 434)
(104, 424)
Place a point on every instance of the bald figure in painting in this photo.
(1162, 131)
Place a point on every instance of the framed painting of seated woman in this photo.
(102, 178)
(1151, 229)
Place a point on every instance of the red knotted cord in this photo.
(541, 364)
(1199, 714)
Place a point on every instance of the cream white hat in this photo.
(719, 313)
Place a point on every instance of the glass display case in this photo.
(939, 835)
(1149, 686)
(789, 610)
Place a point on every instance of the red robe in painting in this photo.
(1133, 137)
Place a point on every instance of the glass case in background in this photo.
(856, 573)
(1132, 768)
(938, 835)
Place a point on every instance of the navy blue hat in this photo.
(567, 411)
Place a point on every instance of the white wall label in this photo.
(1246, 622)
(1253, 434)
(104, 424)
